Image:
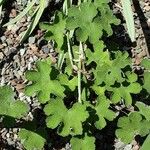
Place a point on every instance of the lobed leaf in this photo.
(103, 112)
(146, 143)
(146, 81)
(71, 84)
(68, 120)
(83, 143)
(109, 71)
(82, 17)
(125, 93)
(144, 110)
(32, 140)
(55, 31)
(42, 84)
(146, 63)
(9, 106)
(131, 126)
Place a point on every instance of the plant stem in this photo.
(61, 60)
(79, 2)
(69, 51)
(79, 72)
(62, 55)
(67, 4)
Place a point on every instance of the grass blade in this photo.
(36, 18)
(25, 11)
(1, 2)
(128, 15)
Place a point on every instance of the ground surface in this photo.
(16, 59)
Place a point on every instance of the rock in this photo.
(147, 8)
(22, 51)
(7, 135)
(35, 58)
(9, 27)
(119, 145)
(68, 146)
(147, 14)
(31, 40)
(1, 55)
(148, 22)
(24, 2)
(1, 46)
(14, 28)
(2, 83)
(13, 13)
(9, 41)
(23, 20)
(128, 147)
(37, 2)
(17, 74)
(15, 136)
(29, 18)
(45, 49)
(3, 38)
(10, 142)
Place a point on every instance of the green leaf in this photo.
(121, 59)
(107, 19)
(128, 15)
(146, 63)
(109, 71)
(83, 143)
(72, 83)
(144, 110)
(99, 90)
(103, 112)
(85, 12)
(146, 144)
(132, 77)
(101, 3)
(98, 56)
(83, 18)
(86, 22)
(68, 120)
(42, 84)
(9, 106)
(125, 93)
(131, 126)
(146, 81)
(32, 139)
(55, 31)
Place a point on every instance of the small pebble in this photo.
(1, 55)
(31, 40)
(45, 49)
(3, 38)
(10, 142)
(119, 145)
(1, 46)
(22, 51)
(128, 147)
